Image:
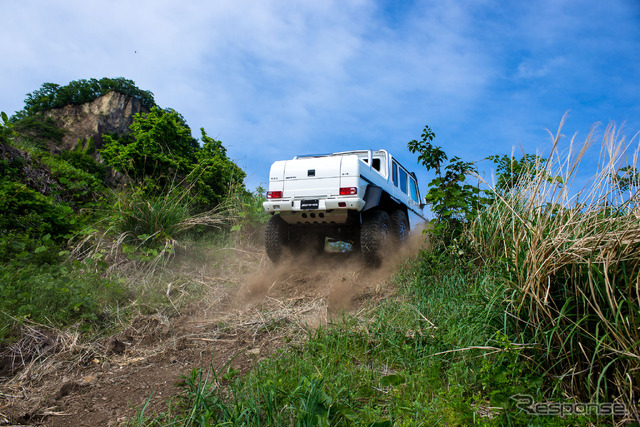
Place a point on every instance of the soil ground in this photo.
(246, 309)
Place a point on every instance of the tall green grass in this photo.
(570, 258)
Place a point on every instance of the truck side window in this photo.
(414, 189)
(403, 181)
(394, 172)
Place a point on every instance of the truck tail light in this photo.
(274, 194)
(348, 191)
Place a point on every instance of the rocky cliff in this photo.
(111, 113)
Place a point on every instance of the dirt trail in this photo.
(247, 308)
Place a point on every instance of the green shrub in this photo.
(139, 227)
(6, 131)
(160, 147)
(40, 130)
(77, 187)
(215, 176)
(161, 151)
(55, 295)
(84, 162)
(453, 201)
(28, 211)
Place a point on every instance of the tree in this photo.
(453, 201)
(160, 147)
(215, 175)
(509, 170)
(161, 152)
(5, 128)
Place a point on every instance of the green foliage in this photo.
(6, 131)
(510, 171)
(252, 209)
(151, 220)
(84, 162)
(160, 147)
(250, 215)
(144, 230)
(161, 151)
(39, 129)
(215, 176)
(55, 294)
(31, 213)
(453, 201)
(429, 155)
(79, 178)
(627, 178)
(571, 267)
(52, 95)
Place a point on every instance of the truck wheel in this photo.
(399, 227)
(276, 237)
(373, 237)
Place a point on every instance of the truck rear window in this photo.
(375, 163)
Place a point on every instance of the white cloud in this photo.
(273, 78)
(530, 68)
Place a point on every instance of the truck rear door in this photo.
(315, 177)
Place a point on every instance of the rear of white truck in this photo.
(362, 197)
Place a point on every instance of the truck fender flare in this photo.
(372, 196)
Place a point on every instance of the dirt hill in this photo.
(248, 309)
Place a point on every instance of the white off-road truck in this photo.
(365, 198)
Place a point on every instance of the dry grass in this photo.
(572, 259)
(142, 233)
(40, 349)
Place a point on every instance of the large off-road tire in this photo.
(399, 227)
(374, 237)
(276, 237)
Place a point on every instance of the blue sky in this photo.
(272, 79)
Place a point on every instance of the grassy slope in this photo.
(434, 353)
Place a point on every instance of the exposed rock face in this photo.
(111, 113)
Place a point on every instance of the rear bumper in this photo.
(288, 205)
(329, 211)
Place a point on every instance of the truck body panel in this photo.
(309, 187)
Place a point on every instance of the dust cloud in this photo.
(338, 282)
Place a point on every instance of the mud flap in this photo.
(372, 197)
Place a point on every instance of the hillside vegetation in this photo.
(67, 217)
(524, 297)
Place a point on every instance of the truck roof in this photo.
(339, 153)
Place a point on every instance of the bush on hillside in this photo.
(160, 151)
(40, 130)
